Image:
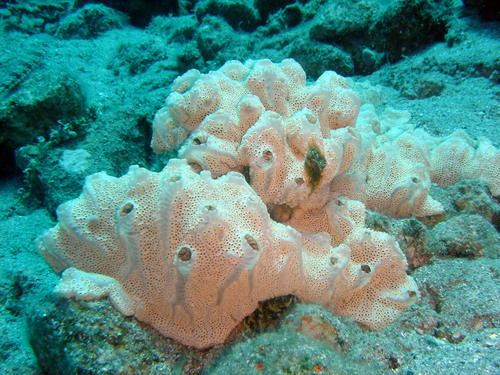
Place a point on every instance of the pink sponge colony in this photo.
(267, 198)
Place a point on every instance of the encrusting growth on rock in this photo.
(192, 250)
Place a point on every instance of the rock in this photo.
(89, 22)
(411, 235)
(474, 197)
(266, 8)
(213, 36)
(42, 102)
(175, 29)
(114, 344)
(341, 21)
(189, 57)
(141, 12)
(316, 57)
(240, 14)
(409, 25)
(33, 16)
(465, 236)
(138, 55)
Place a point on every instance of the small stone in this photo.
(492, 340)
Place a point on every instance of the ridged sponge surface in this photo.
(192, 256)
(267, 198)
(189, 255)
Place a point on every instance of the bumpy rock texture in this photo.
(268, 198)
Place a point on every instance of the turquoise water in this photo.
(320, 224)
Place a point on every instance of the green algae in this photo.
(314, 164)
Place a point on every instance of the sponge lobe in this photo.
(187, 254)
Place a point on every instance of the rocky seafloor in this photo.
(81, 76)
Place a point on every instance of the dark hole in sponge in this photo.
(184, 254)
(126, 209)
(366, 268)
(252, 242)
(267, 155)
